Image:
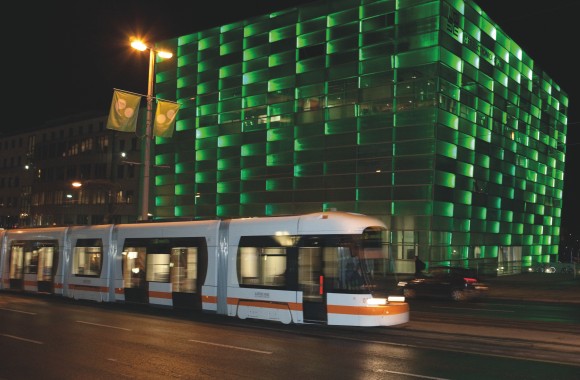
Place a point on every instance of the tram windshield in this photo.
(316, 264)
(357, 264)
(374, 257)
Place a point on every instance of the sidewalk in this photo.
(542, 287)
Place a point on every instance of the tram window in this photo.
(88, 257)
(260, 266)
(375, 256)
(31, 261)
(184, 269)
(342, 270)
(174, 260)
(16, 260)
(45, 264)
(133, 267)
(33, 257)
(309, 272)
(158, 267)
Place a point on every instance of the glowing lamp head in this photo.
(139, 45)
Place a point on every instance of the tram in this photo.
(324, 267)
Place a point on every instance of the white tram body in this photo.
(32, 259)
(318, 267)
(3, 256)
(87, 278)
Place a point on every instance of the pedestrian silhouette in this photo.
(419, 266)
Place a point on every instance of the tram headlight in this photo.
(376, 301)
(396, 299)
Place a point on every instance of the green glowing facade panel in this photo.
(423, 113)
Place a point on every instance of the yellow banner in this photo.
(165, 118)
(124, 112)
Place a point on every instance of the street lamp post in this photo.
(148, 138)
(141, 46)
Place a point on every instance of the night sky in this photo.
(65, 57)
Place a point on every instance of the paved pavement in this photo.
(542, 287)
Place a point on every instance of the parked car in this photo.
(456, 283)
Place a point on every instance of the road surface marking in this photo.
(413, 375)
(22, 339)
(470, 309)
(98, 324)
(228, 346)
(18, 311)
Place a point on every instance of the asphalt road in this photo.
(44, 338)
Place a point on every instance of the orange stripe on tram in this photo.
(209, 299)
(89, 288)
(165, 295)
(362, 310)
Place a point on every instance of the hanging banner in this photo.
(165, 118)
(124, 112)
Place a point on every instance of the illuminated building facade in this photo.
(423, 113)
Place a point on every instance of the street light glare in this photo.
(164, 54)
(139, 45)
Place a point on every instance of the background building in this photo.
(40, 167)
(423, 113)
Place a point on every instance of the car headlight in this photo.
(402, 283)
(376, 301)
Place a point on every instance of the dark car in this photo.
(456, 283)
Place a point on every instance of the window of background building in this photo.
(85, 171)
(103, 143)
(59, 173)
(101, 170)
(120, 171)
(130, 196)
(71, 172)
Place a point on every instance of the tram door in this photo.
(184, 278)
(311, 283)
(17, 267)
(134, 275)
(31, 263)
(44, 274)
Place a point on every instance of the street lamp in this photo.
(141, 46)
